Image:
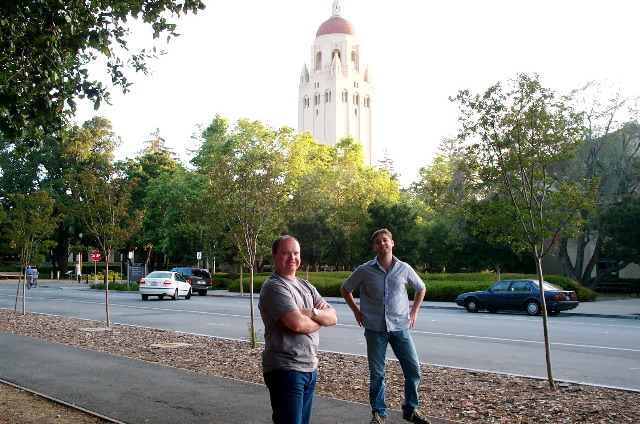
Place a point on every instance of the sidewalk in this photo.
(134, 391)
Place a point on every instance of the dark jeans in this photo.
(291, 395)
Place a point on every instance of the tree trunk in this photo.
(545, 326)
(106, 285)
(252, 326)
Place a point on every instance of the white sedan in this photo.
(164, 283)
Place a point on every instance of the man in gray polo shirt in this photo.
(292, 311)
(386, 317)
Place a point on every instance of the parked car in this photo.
(199, 278)
(164, 283)
(520, 295)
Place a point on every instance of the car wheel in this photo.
(175, 295)
(553, 312)
(145, 296)
(492, 310)
(532, 307)
(188, 296)
(161, 297)
(472, 304)
(202, 292)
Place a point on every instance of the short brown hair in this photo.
(381, 231)
(276, 243)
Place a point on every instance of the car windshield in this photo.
(159, 274)
(547, 286)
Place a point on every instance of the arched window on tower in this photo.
(354, 60)
(356, 99)
(336, 52)
(318, 61)
(367, 101)
(327, 96)
(345, 96)
(316, 99)
(305, 101)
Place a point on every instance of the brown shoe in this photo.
(416, 417)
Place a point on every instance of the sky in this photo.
(243, 59)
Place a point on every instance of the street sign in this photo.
(198, 255)
(95, 255)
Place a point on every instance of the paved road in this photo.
(445, 334)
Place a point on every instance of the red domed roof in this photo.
(336, 25)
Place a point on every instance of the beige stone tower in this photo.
(335, 95)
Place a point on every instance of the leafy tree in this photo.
(246, 168)
(387, 164)
(47, 45)
(613, 159)
(103, 206)
(176, 220)
(30, 221)
(621, 224)
(331, 184)
(514, 138)
(145, 172)
(91, 145)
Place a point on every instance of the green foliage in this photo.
(584, 294)
(29, 221)
(113, 276)
(119, 286)
(246, 182)
(46, 48)
(440, 287)
(621, 224)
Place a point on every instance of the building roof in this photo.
(336, 25)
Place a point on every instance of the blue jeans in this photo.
(291, 395)
(402, 345)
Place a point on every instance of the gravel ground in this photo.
(454, 394)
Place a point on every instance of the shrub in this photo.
(116, 286)
(584, 294)
(113, 276)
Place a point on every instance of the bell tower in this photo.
(335, 94)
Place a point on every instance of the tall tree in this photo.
(246, 167)
(146, 172)
(47, 45)
(621, 224)
(103, 205)
(90, 145)
(514, 136)
(610, 153)
(332, 184)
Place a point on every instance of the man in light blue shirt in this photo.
(386, 316)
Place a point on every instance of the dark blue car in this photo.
(519, 295)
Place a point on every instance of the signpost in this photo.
(95, 255)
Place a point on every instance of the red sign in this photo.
(95, 255)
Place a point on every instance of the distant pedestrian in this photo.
(32, 275)
(386, 317)
(292, 311)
